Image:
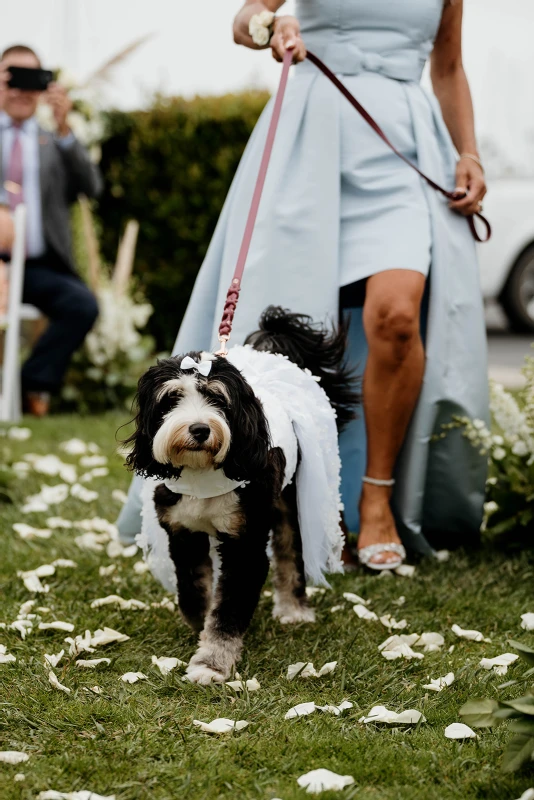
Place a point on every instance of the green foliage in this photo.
(170, 168)
(488, 713)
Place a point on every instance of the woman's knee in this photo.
(394, 325)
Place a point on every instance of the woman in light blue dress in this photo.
(344, 223)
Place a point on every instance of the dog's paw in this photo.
(204, 675)
(292, 616)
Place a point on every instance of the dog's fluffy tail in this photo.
(313, 347)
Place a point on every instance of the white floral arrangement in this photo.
(509, 503)
(260, 28)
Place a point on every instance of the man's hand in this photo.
(286, 36)
(59, 101)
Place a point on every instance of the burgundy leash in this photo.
(232, 296)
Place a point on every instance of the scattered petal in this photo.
(92, 663)
(327, 669)
(528, 795)
(64, 563)
(84, 794)
(6, 658)
(56, 626)
(312, 590)
(267, 593)
(133, 677)
(80, 644)
(165, 603)
(167, 663)
(93, 461)
(97, 472)
(474, 636)
(499, 664)
(52, 677)
(391, 623)
(53, 660)
(13, 756)
(400, 601)
(442, 555)
(140, 567)
(322, 780)
(336, 709)
(82, 493)
(116, 549)
(221, 725)
(105, 571)
(336, 608)
(528, 622)
(438, 684)
(18, 434)
(239, 685)
(29, 532)
(300, 710)
(405, 571)
(91, 541)
(106, 636)
(458, 730)
(94, 689)
(400, 646)
(365, 613)
(74, 447)
(124, 605)
(355, 598)
(380, 714)
(20, 776)
(119, 496)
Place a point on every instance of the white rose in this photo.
(520, 449)
(258, 28)
(499, 453)
(490, 508)
(479, 424)
(498, 440)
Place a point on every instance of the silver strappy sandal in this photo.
(365, 554)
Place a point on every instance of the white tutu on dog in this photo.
(302, 422)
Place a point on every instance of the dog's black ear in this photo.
(248, 455)
(140, 458)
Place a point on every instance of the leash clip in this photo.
(223, 352)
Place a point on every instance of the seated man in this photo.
(46, 172)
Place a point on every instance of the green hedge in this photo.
(171, 167)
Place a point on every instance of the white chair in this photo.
(17, 311)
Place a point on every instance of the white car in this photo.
(507, 260)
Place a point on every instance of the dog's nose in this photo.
(199, 431)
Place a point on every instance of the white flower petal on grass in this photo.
(18, 434)
(167, 663)
(23, 626)
(401, 651)
(438, 684)
(92, 541)
(323, 780)
(458, 730)
(528, 621)
(307, 670)
(336, 608)
(335, 709)
(103, 636)
(97, 472)
(499, 664)
(83, 794)
(391, 623)
(364, 613)
(13, 756)
(430, 642)
(28, 532)
(115, 550)
(251, 685)
(74, 447)
(105, 571)
(528, 795)
(52, 677)
(92, 663)
(53, 659)
(80, 644)
(119, 496)
(165, 603)
(312, 590)
(140, 567)
(133, 677)
(93, 689)
(300, 710)
(64, 563)
(221, 725)
(100, 525)
(26, 608)
(442, 555)
(56, 626)
(473, 636)
(124, 605)
(400, 601)
(33, 583)
(20, 776)
(59, 522)
(82, 493)
(93, 461)
(381, 714)
(6, 658)
(355, 598)
(405, 571)
(400, 646)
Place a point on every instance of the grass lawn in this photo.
(138, 741)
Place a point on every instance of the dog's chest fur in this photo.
(211, 515)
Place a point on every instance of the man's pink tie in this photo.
(15, 171)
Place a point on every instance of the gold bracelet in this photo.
(473, 158)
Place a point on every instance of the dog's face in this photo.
(189, 419)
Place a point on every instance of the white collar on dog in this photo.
(202, 483)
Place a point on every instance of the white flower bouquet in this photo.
(509, 508)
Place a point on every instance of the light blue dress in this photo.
(339, 206)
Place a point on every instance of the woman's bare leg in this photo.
(391, 386)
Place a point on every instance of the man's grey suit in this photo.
(51, 282)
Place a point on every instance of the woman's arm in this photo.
(286, 30)
(452, 90)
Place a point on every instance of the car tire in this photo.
(517, 297)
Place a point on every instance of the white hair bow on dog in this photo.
(203, 367)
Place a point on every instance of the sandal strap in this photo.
(365, 554)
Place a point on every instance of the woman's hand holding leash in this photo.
(286, 36)
(470, 180)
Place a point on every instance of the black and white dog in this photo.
(200, 424)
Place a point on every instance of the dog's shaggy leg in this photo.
(190, 553)
(290, 601)
(244, 567)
